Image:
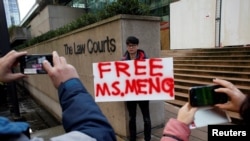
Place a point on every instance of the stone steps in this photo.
(194, 67)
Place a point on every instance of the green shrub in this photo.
(131, 7)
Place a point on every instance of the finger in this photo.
(193, 109)
(224, 83)
(184, 106)
(13, 55)
(47, 66)
(187, 105)
(223, 106)
(227, 91)
(19, 54)
(16, 76)
(56, 59)
(10, 53)
(63, 60)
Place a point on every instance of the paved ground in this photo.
(45, 125)
(30, 111)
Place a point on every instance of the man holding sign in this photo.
(133, 53)
(136, 80)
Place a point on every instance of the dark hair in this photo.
(132, 40)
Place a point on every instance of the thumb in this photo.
(221, 106)
(193, 109)
(16, 76)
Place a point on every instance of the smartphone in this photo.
(206, 96)
(32, 64)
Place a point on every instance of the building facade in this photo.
(12, 12)
(32, 21)
(157, 7)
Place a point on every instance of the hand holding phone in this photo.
(32, 64)
(206, 96)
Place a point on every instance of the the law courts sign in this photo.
(149, 79)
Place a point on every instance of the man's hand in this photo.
(61, 71)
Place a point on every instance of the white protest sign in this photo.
(149, 79)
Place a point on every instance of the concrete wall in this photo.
(235, 23)
(108, 39)
(193, 24)
(53, 17)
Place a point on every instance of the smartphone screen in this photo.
(32, 64)
(206, 96)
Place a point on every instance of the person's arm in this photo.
(178, 129)
(175, 130)
(80, 112)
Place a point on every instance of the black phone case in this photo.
(32, 64)
(206, 96)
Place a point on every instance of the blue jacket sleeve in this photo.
(81, 113)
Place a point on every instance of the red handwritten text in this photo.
(154, 83)
(138, 86)
(140, 67)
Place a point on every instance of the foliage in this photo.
(132, 7)
(11, 29)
